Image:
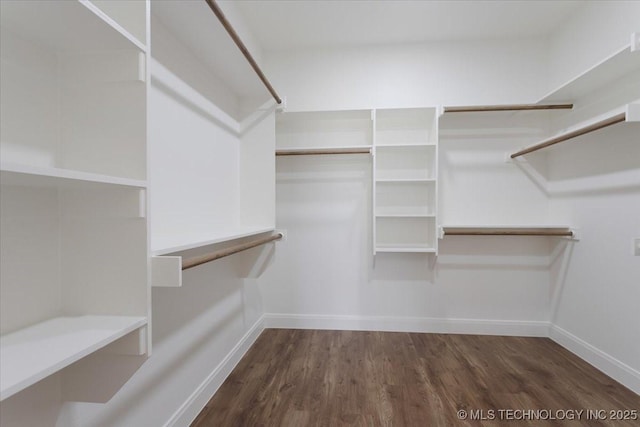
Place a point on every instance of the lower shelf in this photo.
(405, 248)
(33, 353)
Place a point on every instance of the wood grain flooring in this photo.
(346, 378)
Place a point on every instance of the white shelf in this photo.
(67, 26)
(324, 147)
(405, 180)
(609, 70)
(169, 244)
(366, 149)
(324, 129)
(107, 17)
(405, 248)
(404, 215)
(37, 176)
(33, 353)
(406, 145)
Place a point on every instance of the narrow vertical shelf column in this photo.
(405, 180)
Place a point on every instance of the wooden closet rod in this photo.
(564, 233)
(569, 135)
(202, 259)
(513, 107)
(227, 26)
(313, 152)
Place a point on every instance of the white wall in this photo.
(323, 275)
(598, 284)
(409, 75)
(187, 108)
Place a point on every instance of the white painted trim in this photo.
(189, 410)
(408, 324)
(602, 361)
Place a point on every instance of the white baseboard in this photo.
(408, 324)
(190, 409)
(606, 363)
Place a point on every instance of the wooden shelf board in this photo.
(56, 24)
(36, 352)
(163, 245)
(38, 176)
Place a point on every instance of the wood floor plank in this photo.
(346, 378)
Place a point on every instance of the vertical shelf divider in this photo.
(373, 181)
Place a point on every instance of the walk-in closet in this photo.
(319, 213)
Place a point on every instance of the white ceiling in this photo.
(294, 24)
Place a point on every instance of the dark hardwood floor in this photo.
(335, 378)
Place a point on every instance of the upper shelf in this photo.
(323, 150)
(66, 26)
(162, 245)
(36, 352)
(36, 176)
(607, 71)
(405, 248)
(630, 113)
(194, 25)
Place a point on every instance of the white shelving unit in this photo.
(404, 171)
(405, 180)
(73, 187)
(212, 134)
